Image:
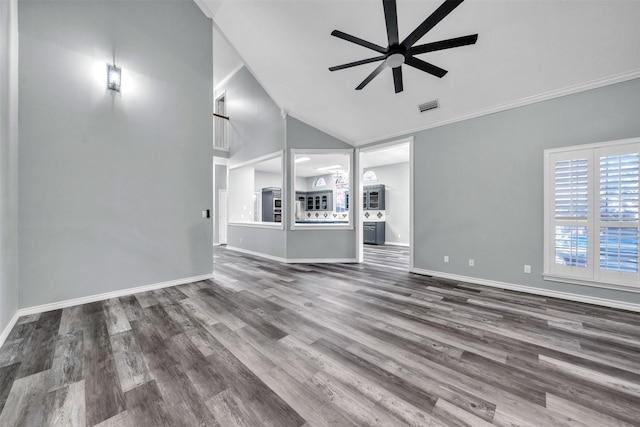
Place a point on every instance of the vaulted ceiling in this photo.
(526, 49)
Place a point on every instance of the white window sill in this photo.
(321, 226)
(585, 282)
(256, 224)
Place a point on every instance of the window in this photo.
(591, 214)
(319, 182)
(255, 192)
(342, 192)
(369, 176)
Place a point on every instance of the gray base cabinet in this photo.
(374, 233)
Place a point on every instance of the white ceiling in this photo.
(398, 153)
(525, 48)
(225, 58)
(309, 167)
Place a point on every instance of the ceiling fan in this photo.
(398, 53)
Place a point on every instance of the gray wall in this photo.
(316, 244)
(112, 184)
(8, 162)
(479, 184)
(301, 135)
(267, 179)
(397, 201)
(255, 125)
(255, 129)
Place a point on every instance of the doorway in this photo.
(385, 177)
(220, 179)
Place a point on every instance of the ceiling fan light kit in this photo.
(398, 53)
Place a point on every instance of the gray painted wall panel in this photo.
(316, 244)
(255, 125)
(262, 240)
(479, 184)
(8, 162)
(112, 185)
(257, 129)
(301, 135)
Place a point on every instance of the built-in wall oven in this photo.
(277, 210)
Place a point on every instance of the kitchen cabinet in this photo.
(271, 204)
(373, 233)
(316, 200)
(373, 197)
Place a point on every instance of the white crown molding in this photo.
(532, 290)
(204, 8)
(225, 80)
(570, 90)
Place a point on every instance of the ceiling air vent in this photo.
(428, 106)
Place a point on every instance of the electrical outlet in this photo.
(446, 258)
(527, 269)
(471, 262)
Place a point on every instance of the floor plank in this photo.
(265, 343)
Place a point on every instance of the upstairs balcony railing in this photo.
(221, 131)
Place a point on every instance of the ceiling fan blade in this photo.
(371, 76)
(443, 44)
(397, 79)
(425, 66)
(391, 18)
(356, 63)
(432, 20)
(358, 41)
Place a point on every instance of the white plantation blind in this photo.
(591, 204)
(618, 210)
(619, 187)
(571, 187)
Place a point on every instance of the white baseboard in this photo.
(294, 260)
(7, 330)
(258, 254)
(109, 295)
(532, 290)
(321, 260)
(404, 245)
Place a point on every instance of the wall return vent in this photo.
(428, 106)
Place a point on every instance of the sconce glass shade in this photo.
(113, 77)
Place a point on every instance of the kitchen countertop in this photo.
(304, 221)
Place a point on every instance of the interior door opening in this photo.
(386, 190)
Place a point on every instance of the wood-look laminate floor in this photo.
(267, 344)
(388, 256)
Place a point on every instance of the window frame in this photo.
(261, 224)
(592, 275)
(293, 152)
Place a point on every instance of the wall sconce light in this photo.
(113, 77)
